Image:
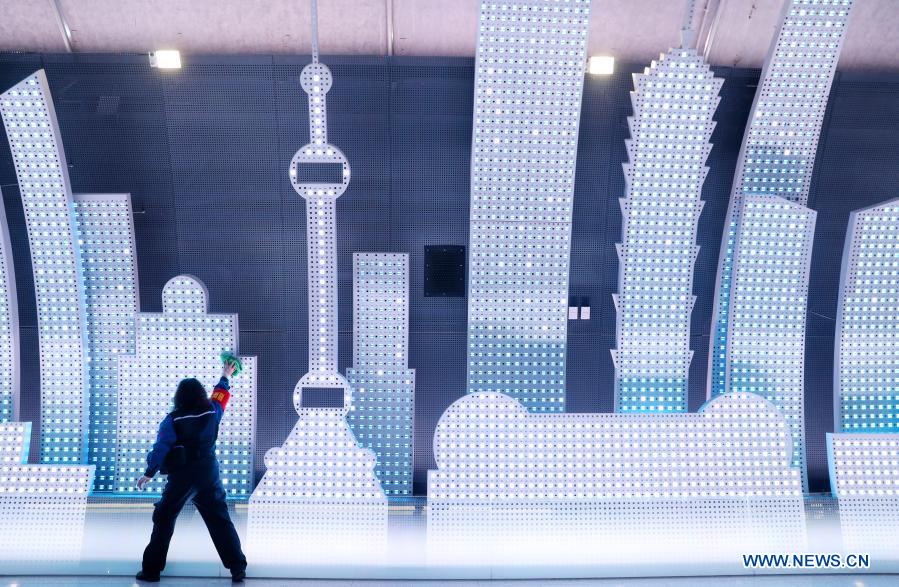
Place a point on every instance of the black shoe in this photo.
(238, 576)
(147, 577)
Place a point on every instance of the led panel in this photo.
(674, 100)
(864, 475)
(34, 139)
(529, 77)
(499, 467)
(766, 341)
(383, 385)
(9, 327)
(319, 497)
(866, 362)
(781, 138)
(183, 341)
(42, 507)
(863, 465)
(109, 265)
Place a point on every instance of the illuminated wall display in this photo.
(781, 138)
(864, 475)
(42, 507)
(9, 327)
(674, 100)
(183, 341)
(863, 465)
(531, 470)
(33, 133)
(529, 77)
(109, 265)
(766, 341)
(866, 362)
(319, 492)
(383, 385)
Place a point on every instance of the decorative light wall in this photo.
(383, 385)
(487, 447)
(863, 465)
(512, 477)
(319, 497)
(109, 264)
(864, 475)
(866, 362)
(781, 139)
(183, 341)
(529, 78)
(674, 100)
(42, 507)
(33, 133)
(9, 327)
(766, 338)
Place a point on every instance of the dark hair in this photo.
(191, 395)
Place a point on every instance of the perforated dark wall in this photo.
(204, 153)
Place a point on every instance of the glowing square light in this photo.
(601, 65)
(166, 59)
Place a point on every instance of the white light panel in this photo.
(183, 341)
(781, 137)
(766, 338)
(9, 327)
(319, 492)
(166, 59)
(863, 465)
(674, 100)
(498, 465)
(866, 362)
(34, 139)
(42, 507)
(601, 65)
(529, 77)
(864, 475)
(383, 385)
(109, 264)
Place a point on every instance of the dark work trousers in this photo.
(199, 481)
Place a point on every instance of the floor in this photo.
(116, 533)
(771, 581)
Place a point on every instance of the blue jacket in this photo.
(196, 430)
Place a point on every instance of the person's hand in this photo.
(143, 481)
(228, 370)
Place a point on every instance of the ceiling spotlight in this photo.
(601, 65)
(166, 59)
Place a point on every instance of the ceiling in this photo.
(731, 32)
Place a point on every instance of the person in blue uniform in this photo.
(185, 449)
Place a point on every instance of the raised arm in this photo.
(221, 393)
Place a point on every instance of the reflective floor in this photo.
(117, 530)
(778, 581)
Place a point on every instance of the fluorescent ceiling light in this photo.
(166, 59)
(601, 65)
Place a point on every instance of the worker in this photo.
(185, 450)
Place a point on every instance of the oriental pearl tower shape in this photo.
(319, 495)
